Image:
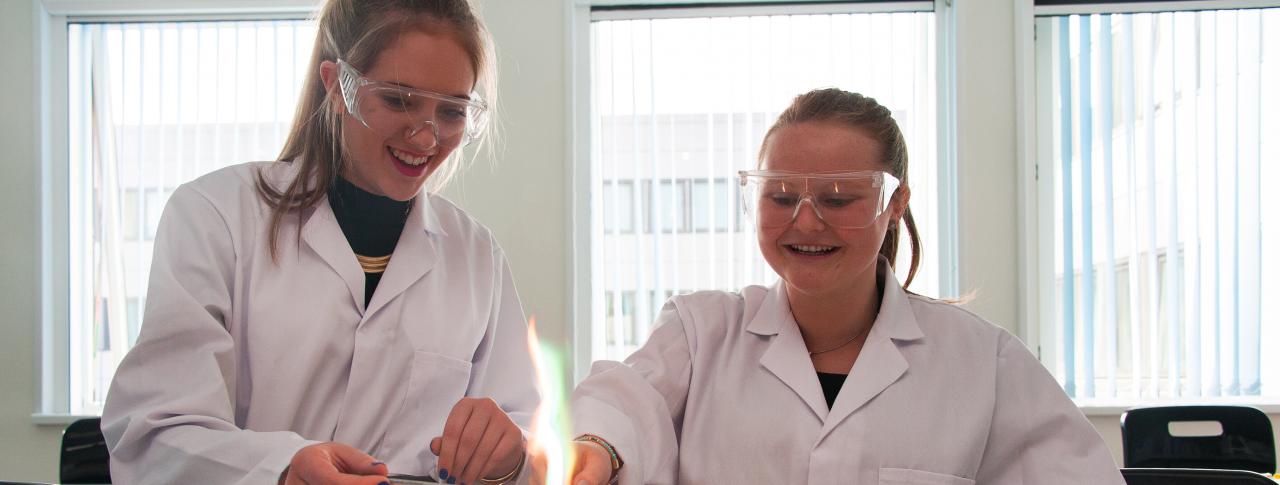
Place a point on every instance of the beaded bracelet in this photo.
(614, 460)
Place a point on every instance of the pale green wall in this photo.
(27, 452)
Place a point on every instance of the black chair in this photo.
(84, 453)
(1192, 476)
(1246, 442)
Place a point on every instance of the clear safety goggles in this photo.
(396, 111)
(848, 200)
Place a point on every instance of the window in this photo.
(154, 105)
(1154, 178)
(671, 206)
(680, 102)
(620, 318)
(619, 207)
(706, 214)
(140, 211)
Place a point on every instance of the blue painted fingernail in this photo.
(450, 480)
(444, 474)
(376, 463)
(384, 483)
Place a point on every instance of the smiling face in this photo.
(811, 256)
(391, 166)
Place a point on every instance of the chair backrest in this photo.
(1246, 442)
(84, 453)
(1192, 476)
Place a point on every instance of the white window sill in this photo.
(1116, 407)
(57, 420)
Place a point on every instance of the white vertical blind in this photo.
(1160, 171)
(679, 105)
(152, 106)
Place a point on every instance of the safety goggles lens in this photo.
(851, 200)
(421, 117)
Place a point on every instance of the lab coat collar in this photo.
(425, 210)
(896, 317)
(879, 364)
(322, 234)
(787, 359)
(414, 255)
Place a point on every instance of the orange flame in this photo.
(551, 419)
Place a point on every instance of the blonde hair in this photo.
(357, 31)
(864, 113)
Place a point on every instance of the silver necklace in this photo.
(842, 344)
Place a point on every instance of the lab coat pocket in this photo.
(903, 476)
(436, 383)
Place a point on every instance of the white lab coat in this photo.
(724, 392)
(241, 361)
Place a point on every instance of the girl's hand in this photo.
(592, 465)
(480, 441)
(333, 463)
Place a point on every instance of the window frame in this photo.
(52, 17)
(1033, 121)
(579, 53)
